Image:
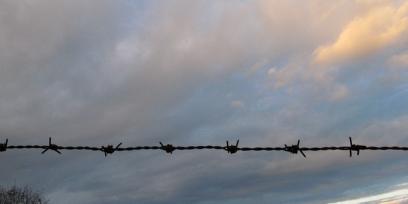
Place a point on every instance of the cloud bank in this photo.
(264, 72)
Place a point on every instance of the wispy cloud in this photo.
(395, 196)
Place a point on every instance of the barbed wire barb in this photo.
(167, 148)
(294, 149)
(3, 146)
(109, 149)
(232, 149)
(51, 146)
(354, 147)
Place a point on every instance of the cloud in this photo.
(237, 104)
(399, 60)
(380, 27)
(285, 76)
(396, 196)
(339, 93)
(89, 73)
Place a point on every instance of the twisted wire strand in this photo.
(230, 148)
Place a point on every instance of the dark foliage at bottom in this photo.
(21, 195)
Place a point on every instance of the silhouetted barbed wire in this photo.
(231, 149)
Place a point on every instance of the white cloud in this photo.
(396, 196)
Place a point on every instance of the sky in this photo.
(266, 72)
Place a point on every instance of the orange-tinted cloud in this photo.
(381, 26)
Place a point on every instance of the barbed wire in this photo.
(229, 148)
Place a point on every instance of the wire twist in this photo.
(232, 149)
(3, 146)
(109, 149)
(51, 146)
(167, 148)
(356, 148)
(294, 149)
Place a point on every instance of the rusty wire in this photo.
(229, 148)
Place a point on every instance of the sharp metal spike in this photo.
(117, 147)
(302, 153)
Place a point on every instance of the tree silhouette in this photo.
(21, 195)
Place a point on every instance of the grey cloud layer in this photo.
(193, 73)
